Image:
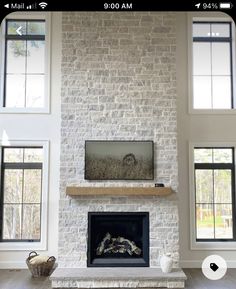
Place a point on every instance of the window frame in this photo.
(208, 244)
(17, 166)
(217, 166)
(219, 18)
(211, 40)
(31, 16)
(17, 37)
(22, 244)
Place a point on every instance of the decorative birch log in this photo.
(104, 244)
(117, 245)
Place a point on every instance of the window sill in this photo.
(22, 246)
(224, 246)
(11, 110)
(212, 111)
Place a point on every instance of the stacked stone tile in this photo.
(118, 83)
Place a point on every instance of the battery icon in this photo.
(225, 5)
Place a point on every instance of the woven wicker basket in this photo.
(43, 269)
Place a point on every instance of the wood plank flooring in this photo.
(21, 279)
(196, 280)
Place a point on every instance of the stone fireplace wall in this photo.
(118, 83)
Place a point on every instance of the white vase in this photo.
(166, 263)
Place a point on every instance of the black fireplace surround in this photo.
(118, 239)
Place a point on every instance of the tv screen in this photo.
(119, 160)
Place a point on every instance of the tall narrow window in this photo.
(21, 192)
(212, 65)
(214, 193)
(24, 64)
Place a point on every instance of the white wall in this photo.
(195, 128)
(41, 127)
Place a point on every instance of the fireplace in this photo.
(118, 239)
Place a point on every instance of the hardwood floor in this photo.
(196, 280)
(21, 279)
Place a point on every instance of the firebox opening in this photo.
(118, 239)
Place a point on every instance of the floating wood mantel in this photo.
(126, 191)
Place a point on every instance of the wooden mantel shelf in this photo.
(126, 191)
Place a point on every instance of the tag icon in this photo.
(214, 267)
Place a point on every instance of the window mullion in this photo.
(40, 205)
(22, 166)
(231, 67)
(1, 197)
(5, 74)
(211, 67)
(26, 47)
(22, 195)
(211, 75)
(213, 203)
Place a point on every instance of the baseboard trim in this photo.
(13, 265)
(190, 264)
(198, 264)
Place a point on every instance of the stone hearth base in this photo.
(117, 278)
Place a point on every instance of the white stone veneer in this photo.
(118, 83)
(117, 278)
(163, 215)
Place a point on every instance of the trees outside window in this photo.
(214, 194)
(21, 193)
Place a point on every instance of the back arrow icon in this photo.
(18, 30)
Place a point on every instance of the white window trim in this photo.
(34, 15)
(212, 17)
(42, 245)
(194, 245)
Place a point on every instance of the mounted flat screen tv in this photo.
(119, 160)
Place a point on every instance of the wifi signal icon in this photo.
(43, 4)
